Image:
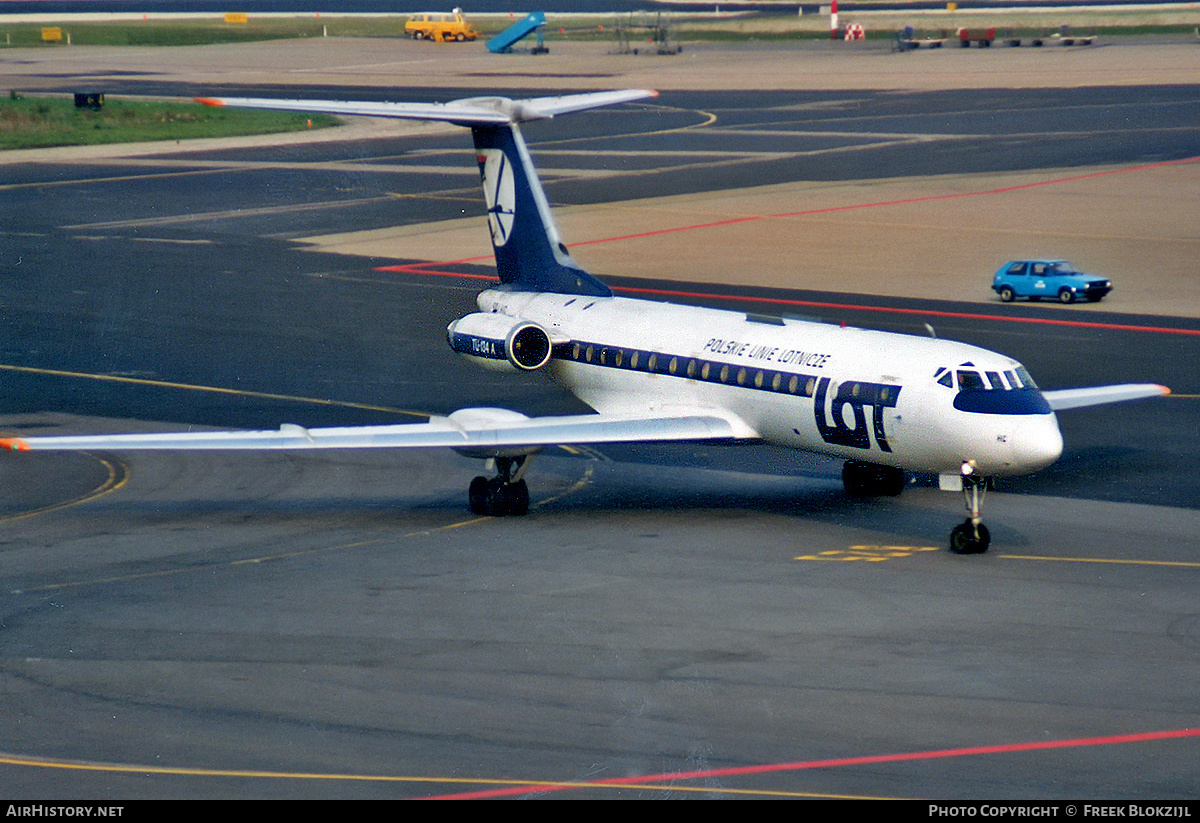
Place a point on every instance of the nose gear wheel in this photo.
(971, 536)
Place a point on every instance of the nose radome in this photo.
(1038, 443)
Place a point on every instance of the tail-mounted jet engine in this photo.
(497, 341)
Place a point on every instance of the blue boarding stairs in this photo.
(503, 42)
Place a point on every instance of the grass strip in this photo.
(42, 122)
(192, 32)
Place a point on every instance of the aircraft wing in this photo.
(1099, 395)
(470, 430)
(467, 111)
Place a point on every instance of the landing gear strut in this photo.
(971, 536)
(504, 494)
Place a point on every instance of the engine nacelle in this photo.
(497, 341)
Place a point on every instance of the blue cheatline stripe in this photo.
(651, 362)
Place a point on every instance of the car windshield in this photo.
(1063, 268)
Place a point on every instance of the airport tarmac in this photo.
(901, 235)
(337, 625)
(804, 65)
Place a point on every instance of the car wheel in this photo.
(1007, 294)
(1066, 296)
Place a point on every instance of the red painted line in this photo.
(1047, 321)
(416, 268)
(834, 209)
(907, 202)
(420, 268)
(970, 751)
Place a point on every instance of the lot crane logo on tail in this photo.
(500, 194)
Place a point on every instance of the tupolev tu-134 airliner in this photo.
(655, 372)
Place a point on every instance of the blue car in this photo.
(1055, 279)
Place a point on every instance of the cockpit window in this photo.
(970, 380)
(989, 393)
(966, 379)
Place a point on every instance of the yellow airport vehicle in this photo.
(444, 27)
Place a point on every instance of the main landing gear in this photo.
(504, 494)
(871, 480)
(971, 536)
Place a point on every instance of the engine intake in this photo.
(496, 340)
(529, 346)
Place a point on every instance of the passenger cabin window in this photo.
(1018, 268)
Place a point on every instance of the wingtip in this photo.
(14, 444)
(1165, 390)
(209, 101)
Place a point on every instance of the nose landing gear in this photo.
(505, 494)
(971, 536)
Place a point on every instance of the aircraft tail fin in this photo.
(530, 254)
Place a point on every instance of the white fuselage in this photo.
(857, 394)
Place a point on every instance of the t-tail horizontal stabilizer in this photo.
(530, 254)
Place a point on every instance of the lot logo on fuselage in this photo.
(499, 191)
(855, 395)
